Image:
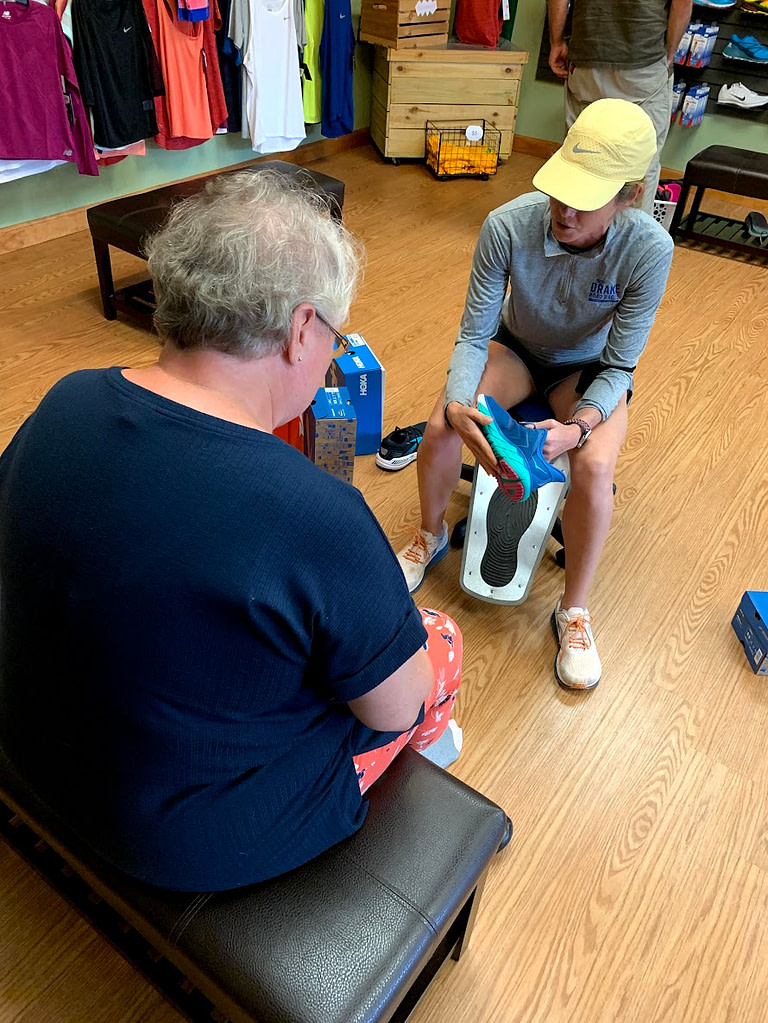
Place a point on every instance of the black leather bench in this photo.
(355, 936)
(126, 223)
(737, 171)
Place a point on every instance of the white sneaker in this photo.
(424, 550)
(738, 95)
(577, 665)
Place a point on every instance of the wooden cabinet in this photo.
(455, 83)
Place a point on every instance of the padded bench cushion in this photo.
(738, 171)
(339, 940)
(126, 222)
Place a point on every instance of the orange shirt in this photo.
(183, 65)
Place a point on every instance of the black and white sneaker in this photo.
(400, 447)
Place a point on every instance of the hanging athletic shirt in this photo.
(272, 109)
(43, 117)
(313, 20)
(337, 54)
(12, 170)
(230, 60)
(193, 107)
(117, 69)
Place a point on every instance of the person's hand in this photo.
(466, 420)
(560, 437)
(558, 59)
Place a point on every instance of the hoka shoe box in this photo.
(750, 623)
(363, 376)
(329, 432)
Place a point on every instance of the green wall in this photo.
(540, 116)
(64, 189)
(541, 105)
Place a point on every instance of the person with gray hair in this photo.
(194, 669)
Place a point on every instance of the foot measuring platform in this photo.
(505, 540)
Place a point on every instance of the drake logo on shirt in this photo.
(603, 291)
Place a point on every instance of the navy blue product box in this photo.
(750, 623)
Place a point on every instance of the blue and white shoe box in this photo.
(329, 432)
(363, 376)
(750, 623)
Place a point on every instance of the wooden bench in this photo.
(737, 171)
(126, 223)
(354, 936)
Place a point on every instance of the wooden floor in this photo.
(636, 886)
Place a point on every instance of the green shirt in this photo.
(618, 33)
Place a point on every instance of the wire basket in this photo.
(455, 149)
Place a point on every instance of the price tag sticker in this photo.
(505, 10)
(474, 132)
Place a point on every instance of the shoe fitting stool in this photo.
(737, 171)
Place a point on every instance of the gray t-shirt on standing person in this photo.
(563, 307)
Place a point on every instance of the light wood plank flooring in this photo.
(636, 886)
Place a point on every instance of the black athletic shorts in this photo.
(546, 377)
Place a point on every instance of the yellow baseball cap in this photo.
(611, 142)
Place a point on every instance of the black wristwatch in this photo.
(448, 423)
(585, 428)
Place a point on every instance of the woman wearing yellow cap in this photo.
(563, 293)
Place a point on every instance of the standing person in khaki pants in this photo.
(619, 49)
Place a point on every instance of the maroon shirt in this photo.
(40, 121)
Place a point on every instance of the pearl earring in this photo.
(300, 358)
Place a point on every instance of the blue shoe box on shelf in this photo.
(363, 376)
(329, 431)
(750, 623)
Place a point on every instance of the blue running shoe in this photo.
(518, 450)
(746, 48)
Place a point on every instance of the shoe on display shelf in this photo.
(738, 95)
(400, 447)
(754, 6)
(756, 225)
(746, 48)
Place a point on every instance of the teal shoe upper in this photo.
(520, 443)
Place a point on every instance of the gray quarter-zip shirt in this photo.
(563, 307)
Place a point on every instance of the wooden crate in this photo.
(455, 83)
(405, 24)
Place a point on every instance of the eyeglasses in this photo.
(342, 341)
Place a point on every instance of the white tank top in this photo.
(273, 107)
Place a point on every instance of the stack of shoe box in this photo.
(329, 429)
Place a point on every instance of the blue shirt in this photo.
(186, 605)
(337, 54)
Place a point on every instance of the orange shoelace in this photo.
(577, 634)
(417, 552)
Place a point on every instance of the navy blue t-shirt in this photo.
(186, 605)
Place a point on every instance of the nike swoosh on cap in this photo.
(577, 149)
